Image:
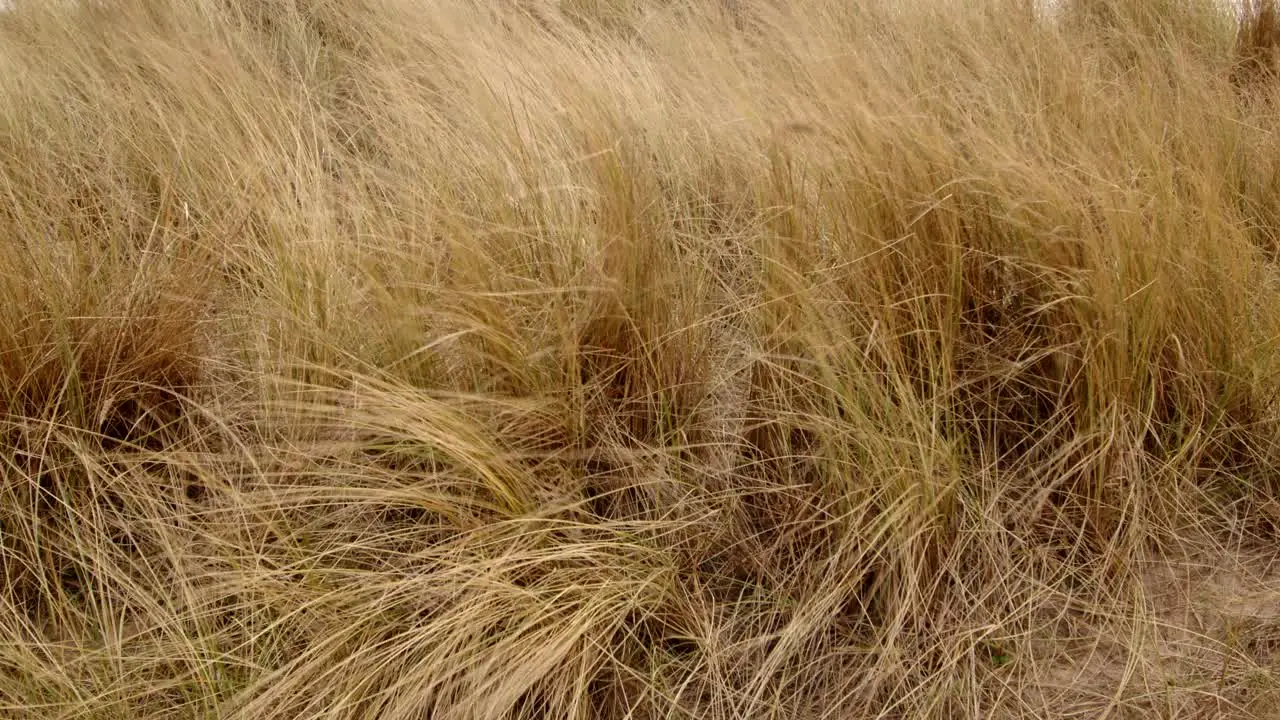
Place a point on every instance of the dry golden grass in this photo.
(639, 359)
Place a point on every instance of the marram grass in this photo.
(639, 359)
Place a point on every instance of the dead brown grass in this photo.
(638, 360)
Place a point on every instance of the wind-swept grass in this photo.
(639, 359)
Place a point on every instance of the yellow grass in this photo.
(639, 359)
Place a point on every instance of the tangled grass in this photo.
(639, 359)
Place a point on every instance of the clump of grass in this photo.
(1257, 40)
(637, 359)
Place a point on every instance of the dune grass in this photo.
(639, 359)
